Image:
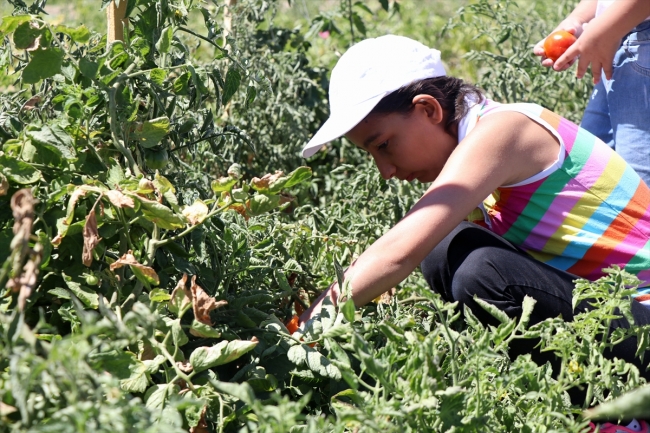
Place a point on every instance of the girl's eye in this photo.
(382, 146)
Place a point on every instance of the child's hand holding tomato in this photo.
(555, 45)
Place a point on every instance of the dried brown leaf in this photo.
(184, 366)
(266, 180)
(181, 287)
(203, 303)
(31, 103)
(129, 259)
(91, 238)
(4, 185)
(202, 426)
(118, 199)
(196, 213)
(26, 260)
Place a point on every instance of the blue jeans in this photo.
(619, 110)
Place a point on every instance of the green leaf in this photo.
(634, 404)
(152, 131)
(223, 184)
(160, 214)
(88, 68)
(166, 189)
(139, 380)
(178, 335)
(262, 203)
(221, 353)
(181, 84)
(156, 396)
(148, 278)
(45, 63)
(340, 275)
(200, 329)
(55, 139)
(153, 365)
(297, 176)
(242, 391)
(251, 94)
(79, 34)
(159, 295)
(158, 76)
(527, 309)
(25, 36)
(304, 356)
(337, 331)
(165, 40)
(10, 24)
(233, 80)
(494, 311)
(18, 171)
(89, 298)
(348, 310)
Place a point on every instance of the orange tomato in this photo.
(292, 325)
(557, 43)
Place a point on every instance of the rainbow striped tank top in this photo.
(589, 211)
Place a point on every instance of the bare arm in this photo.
(600, 39)
(516, 150)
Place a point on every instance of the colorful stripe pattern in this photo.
(591, 213)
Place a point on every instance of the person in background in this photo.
(614, 37)
(554, 202)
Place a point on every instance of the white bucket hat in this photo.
(366, 73)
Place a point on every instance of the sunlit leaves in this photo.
(222, 353)
(233, 79)
(45, 63)
(18, 171)
(313, 360)
(56, 139)
(152, 131)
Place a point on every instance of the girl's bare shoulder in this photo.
(521, 145)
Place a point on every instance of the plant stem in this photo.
(112, 106)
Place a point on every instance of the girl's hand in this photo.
(590, 48)
(572, 26)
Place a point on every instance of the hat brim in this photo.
(339, 125)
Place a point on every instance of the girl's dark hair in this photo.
(450, 92)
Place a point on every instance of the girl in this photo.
(560, 203)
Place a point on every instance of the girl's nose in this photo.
(386, 169)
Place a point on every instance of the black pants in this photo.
(471, 261)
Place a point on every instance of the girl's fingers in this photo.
(607, 69)
(566, 59)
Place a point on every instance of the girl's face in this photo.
(407, 146)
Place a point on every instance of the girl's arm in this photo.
(601, 38)
(517, 148)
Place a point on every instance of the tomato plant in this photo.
(557, 43)
(156, 225)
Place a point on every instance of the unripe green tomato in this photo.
(92, 280)
(156, 159)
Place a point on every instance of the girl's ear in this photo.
(429, 106)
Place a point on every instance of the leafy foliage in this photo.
(157, 230)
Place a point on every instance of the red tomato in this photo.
(557, 43)
(292, 325)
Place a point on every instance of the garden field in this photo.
(159, 229)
